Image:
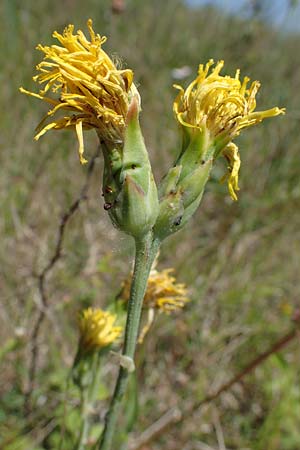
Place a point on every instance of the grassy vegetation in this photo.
(240, 260)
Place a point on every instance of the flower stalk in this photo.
(83, 435)
(88, 396)
(145, 252)
(97, 333)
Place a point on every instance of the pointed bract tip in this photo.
(133, 110)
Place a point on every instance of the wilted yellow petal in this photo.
(162, 293)
(80, 141)
(86, 83)
(231, 153)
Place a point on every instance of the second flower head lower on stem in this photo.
(97, 329)
(163, 295)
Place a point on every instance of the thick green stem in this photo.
(146, 250)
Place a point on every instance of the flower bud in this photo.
(182, 188)
(129, 188)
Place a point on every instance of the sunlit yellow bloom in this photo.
(97, 329)
(83, 86)
(221, 106)
(162, 293)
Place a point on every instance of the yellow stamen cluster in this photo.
(86, 85)
(222, 106)
(162, 293)
(97, 329)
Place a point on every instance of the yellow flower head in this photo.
(82, 82)
(221, 106)
(162, 293)
(97, 329)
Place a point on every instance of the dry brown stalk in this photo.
(41, 278)
(175, 415)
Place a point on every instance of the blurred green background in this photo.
(240, 260)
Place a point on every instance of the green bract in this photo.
(129, 188)
(182, 188)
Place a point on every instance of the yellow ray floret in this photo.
(220, 103)
(163, 293)
(81, 81)
(222, 106)
(97, 329)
